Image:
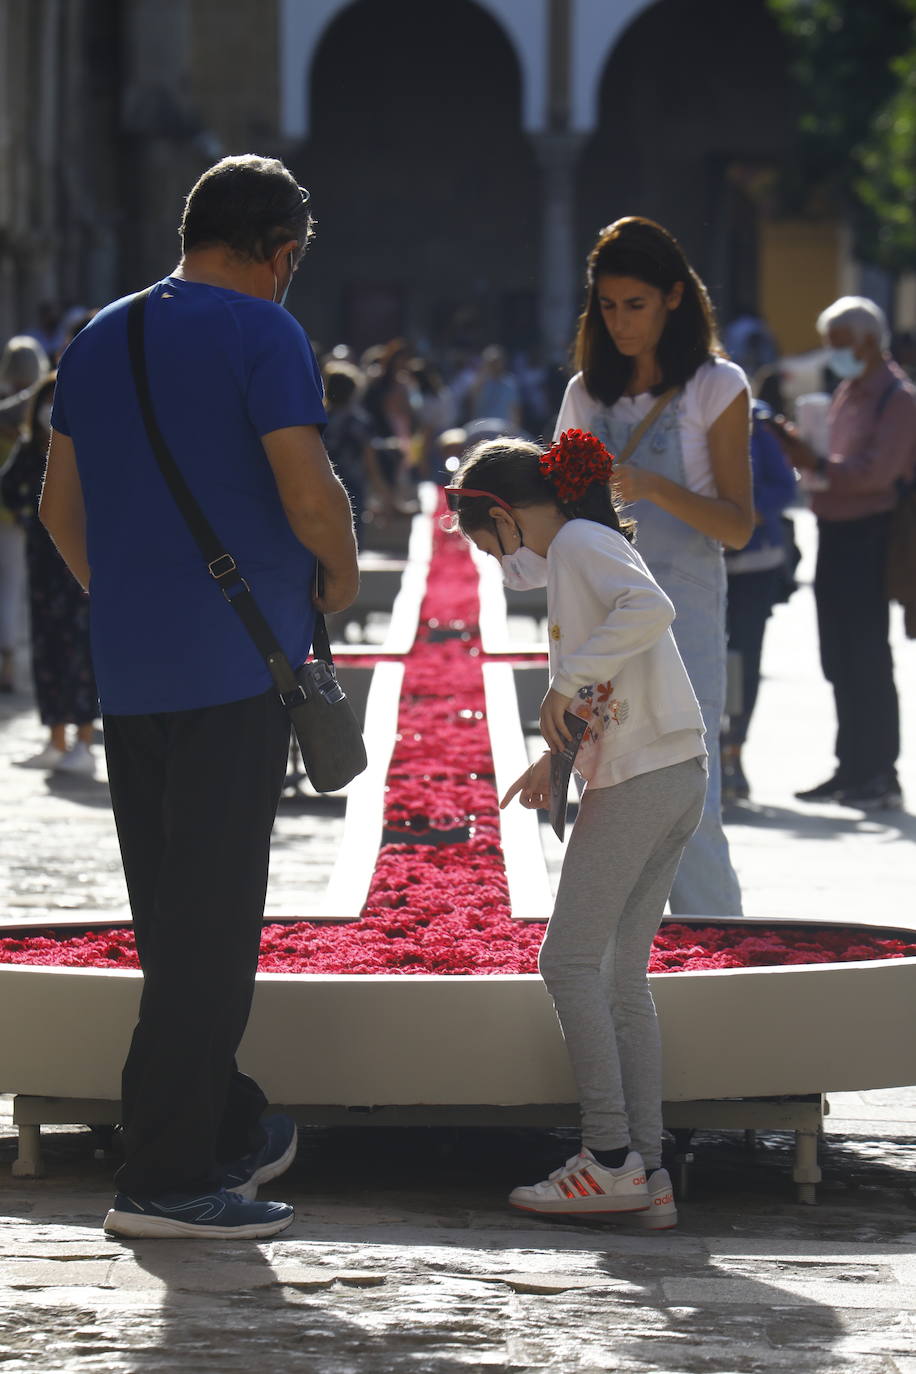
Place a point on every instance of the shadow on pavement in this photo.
(82, 791)
(899, 824)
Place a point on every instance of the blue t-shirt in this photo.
(224, 369)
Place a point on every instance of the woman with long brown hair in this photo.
(652, 382)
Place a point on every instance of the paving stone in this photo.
(778, 1292)
(192, 1276)
(26, 1247)
(784, 1247)
(557, 1283)
(45, 1273)
(602, 1236)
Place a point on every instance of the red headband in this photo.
(574, 462)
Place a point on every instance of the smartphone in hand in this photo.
(561, 766)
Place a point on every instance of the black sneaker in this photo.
(215, 1214)
(831, 790)
(879, 794)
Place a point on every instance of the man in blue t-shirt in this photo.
(196, 737)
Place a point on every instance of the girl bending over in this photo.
(550, 520)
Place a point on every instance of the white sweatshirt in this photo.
(612, 650)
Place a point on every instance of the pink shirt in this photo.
(869, 452)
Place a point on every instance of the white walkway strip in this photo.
(526, 868)
(349, 882)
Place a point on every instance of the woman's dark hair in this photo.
(252, 204)
(341, 383)
(427, 376)
(510, 469)
(640, 248)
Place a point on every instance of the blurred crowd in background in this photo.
(396, 418)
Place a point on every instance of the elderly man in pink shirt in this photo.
(872, 454)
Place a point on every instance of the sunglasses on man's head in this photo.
(454, 495)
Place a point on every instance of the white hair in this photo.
(859, 314)
(22, 363)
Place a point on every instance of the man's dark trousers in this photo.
(195, 794)
(853, 621)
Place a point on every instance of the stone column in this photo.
(9, 52)
(560, 272)
(160, 126)
(557, 152)
(44, 134)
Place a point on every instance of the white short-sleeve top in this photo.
(710, 391)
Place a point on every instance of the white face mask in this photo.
(524, 570)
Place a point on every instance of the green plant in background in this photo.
(887, 184)
(854, 65)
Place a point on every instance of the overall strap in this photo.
(646, 424)
(220, 564)
(892, 386)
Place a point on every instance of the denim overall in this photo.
(690, 569)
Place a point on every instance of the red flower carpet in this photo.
(438, 902)
(470, 943)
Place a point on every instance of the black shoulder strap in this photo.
(220, 564)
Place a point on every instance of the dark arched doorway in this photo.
(422, 180)
(695, 117)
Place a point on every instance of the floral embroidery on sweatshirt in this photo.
(598, 705)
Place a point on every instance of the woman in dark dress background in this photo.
(59, 610)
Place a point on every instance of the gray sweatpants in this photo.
(622, 857)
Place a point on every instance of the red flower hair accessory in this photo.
(574, 462)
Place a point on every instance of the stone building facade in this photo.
(461, 154)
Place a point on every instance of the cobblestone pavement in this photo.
(403, 1256)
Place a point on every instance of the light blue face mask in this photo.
(845, 364)
(282, 299)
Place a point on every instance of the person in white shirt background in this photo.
(647, 332)
(613, 660)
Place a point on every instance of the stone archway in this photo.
(301, 28)
(424, 183)
(694, 114)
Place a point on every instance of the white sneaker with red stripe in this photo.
(584, 1185)
(662, 1213)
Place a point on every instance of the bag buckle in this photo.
(230, 593)
(224, 558)
(297, 697)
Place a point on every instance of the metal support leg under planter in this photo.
(31, 1113)
(803, 1115)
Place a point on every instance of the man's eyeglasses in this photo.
(454, 495)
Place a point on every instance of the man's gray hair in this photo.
(858, 313)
